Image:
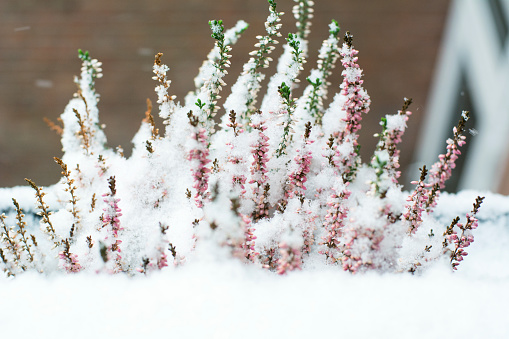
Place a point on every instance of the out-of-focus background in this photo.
(399, 43)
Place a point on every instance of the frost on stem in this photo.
(18, 251)
(289, 66)
(301, 163)
(385, 160)
(231, 37)
(356, 102)
(12, 252)
(298, 55)
(71, 189)
(233, 124)
(165, 101)
(245, 90)
(44, 213)
(22, 232)
(206, 99)
(236, 163)
(286, 114)
(310, 105)
(82, 129)
(84, 133)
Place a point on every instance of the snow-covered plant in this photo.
(280, 185)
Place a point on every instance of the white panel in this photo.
(471, 42)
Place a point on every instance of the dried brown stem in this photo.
(54, 127)
(44, 213)
(22, 232)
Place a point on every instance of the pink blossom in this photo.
(248, 245)
(441, 171)
(71, 263)
(465, 238)
(200, 171)
(291, 259)
(258, 171)
(386, 169)
(334, 223)
(417, 202)
(355, 255)
(298, 178)
(163, 259)
(356, 103)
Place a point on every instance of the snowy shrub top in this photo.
(277, 182)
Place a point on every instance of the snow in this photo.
(272, 18)
(352, 74)
(396, 122)
(232, 35)
(229, 300)
(333, 26)
(464, 115)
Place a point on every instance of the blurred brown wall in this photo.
(398, 42)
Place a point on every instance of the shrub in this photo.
(279, 185)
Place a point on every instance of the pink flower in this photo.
(163, 260)
(441, 171)
(290, 259)
(70, 260)
(334, 224)
(465, 238)
(418, 202)
(111, 221)
(298, 178)
(248, 246)
(258, 171)
(200, 171)
(356, 103)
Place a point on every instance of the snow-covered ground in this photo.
(228, 300)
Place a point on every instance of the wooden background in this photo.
(398, 42)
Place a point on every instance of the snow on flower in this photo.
(278, 186)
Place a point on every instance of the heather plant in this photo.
(280, 185)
